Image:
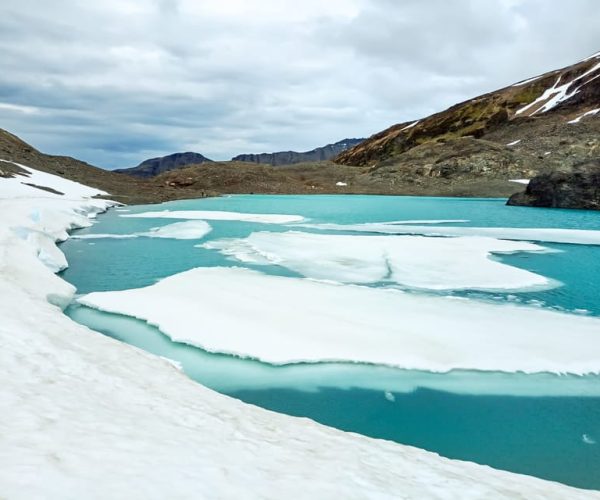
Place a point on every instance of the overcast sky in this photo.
(114, 82)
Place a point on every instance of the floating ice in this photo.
(413, 261)
(189, 230)
(587, 439)
(218, 215)
(547, 235)
(225, 310)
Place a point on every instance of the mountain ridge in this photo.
(322, 153)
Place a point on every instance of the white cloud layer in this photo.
(115, 82)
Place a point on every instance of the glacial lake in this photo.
(545, 425)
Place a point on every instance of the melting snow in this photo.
(413, 261)
(85, 416)
(311, 321)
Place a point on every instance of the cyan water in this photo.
(543, 425)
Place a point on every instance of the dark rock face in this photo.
(290, 157)
(574, 187)
(156, 166)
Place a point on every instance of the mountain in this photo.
(541, 124)
(290, 157)
(156, 166)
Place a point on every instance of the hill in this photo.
(156, 166)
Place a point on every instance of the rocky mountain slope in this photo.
(290, 157)
(541, 124)
(156, 166)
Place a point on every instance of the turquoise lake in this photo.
(544, 425)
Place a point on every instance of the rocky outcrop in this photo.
(157, 166)
(290, 157)
(577, 186)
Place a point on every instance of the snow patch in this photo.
(409, 126)
(341, 184)
(520, 181)
(556, 94)
(514, 143)
(412, 261)
(311, 321)
(14, 187)
(588, 113)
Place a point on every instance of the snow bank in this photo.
(310, 321)
(412, 261)
(547, 235)
(16, 186)
(218, 215)
(83, 416)
(189, 230)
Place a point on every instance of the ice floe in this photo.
(412, 261)
(218, 215)
(547, 235)
(243, 374)
(188, 230)
(311, 321)
(85, 416)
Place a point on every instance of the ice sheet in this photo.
(412, 261)
(289, 320)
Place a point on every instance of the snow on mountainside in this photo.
(85, 416)
(538, 112)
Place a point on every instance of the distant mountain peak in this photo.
(155, 166)
(322, 153)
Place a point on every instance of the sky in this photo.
(115, 82)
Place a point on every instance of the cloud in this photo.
(115, 82)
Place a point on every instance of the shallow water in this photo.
(544, 425)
